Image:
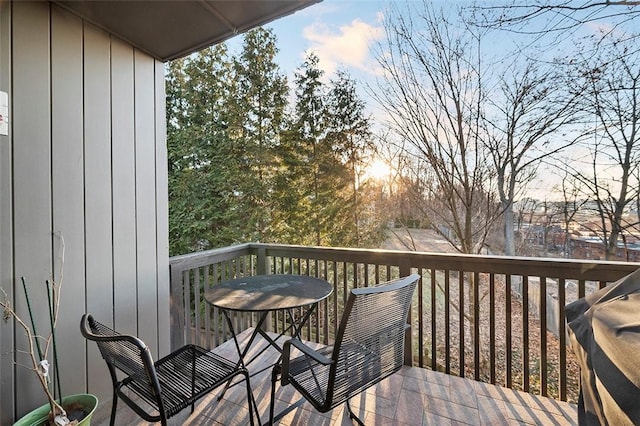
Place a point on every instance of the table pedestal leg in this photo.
(296, 326)
(242, 354)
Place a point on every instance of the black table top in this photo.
(261, 293)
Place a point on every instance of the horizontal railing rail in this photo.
(490, 318)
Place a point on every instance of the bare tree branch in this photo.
(432, 91)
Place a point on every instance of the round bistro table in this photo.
(265, 293)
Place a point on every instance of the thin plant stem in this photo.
(55, 350)
(33, 323)
(10, 313)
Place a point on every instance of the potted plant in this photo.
(71, 410)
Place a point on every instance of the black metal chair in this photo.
(368, 348)
(170, 384)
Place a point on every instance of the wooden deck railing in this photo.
(495, 319)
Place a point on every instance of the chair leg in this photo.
(250, 399)
(193, 378)
(114, 401)
(353, 416)
(274, 378)
(114, 404)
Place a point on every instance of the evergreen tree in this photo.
(349, 132)
(201, 160)
(259, 100)
(298, 183)
(242, 169)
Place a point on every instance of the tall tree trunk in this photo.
(509, 233)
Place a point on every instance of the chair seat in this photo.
(176, 374)
(311, 377)
(369, 347)
(166, 386)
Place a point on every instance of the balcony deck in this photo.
(490, 318)
(414, 396)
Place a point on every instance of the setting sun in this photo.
(378, 170)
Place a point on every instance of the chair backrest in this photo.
(123, 352)
(370, 341)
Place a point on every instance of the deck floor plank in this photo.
(414, 396)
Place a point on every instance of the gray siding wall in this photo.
(85, 164)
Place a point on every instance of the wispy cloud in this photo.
(344, 46)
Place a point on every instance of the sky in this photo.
(343, 34)
(340, 32)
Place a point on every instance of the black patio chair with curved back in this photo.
(369, 347)
(168, 385)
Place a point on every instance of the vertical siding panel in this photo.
(7, 390)
(146, 200)
(68, 191)
(97, 146)
(86, 157)
(162, 212)
(31, 177)
(124, 191)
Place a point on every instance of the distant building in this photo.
(592, 248)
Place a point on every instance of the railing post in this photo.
(405, 270)
(262, 261)
(262, 268)
(177, 322)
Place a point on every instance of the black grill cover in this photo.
(604, 330)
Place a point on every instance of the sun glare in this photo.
(378, 170)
